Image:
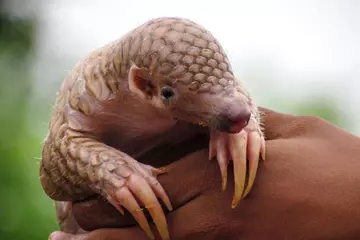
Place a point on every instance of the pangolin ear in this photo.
(140, 82)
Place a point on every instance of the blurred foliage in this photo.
(26, 212)
(16, 35)
(324, 108)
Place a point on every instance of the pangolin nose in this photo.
(239, 121)
(234, 121)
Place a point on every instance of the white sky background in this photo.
(279, 49)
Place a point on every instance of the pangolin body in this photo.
(128, 97)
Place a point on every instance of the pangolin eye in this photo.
(167, 93)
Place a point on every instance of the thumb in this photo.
(63, 236)
(103, 234)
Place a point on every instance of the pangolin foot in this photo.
(248, 144)
(142, 184)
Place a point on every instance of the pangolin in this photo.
(149, 87)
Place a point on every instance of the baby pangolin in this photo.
(135, 93)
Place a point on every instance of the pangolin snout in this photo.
(233, 120)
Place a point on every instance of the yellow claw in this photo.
(126, 199)
(159, 221)
(238, 143)
(138, 215)
(222, 159)
(161, 170)
(146, 195)
(224, 182)
(242, 147)
(254, 145)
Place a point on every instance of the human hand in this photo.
(306, 189)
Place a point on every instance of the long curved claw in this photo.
(247, 145)
(253, 148)
(223, 161)
(125, 198)
(155, 184)
(160, 192)
(140, 187)
(137, 182)
(237, 147)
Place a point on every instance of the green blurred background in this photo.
(25, 211)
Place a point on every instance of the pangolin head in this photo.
(181, 69)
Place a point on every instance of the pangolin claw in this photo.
(253, 156)
(241, 147)
(144, 187)
(237, 145)
(221, 154)
(126, 199)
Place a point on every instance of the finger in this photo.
(132, 233)
(66, 219)
(253, 148)
(143, 191)
(63, 210)
(126, 199)
(67, 236)
(61, 236)
(222, 159)
(237, 144)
